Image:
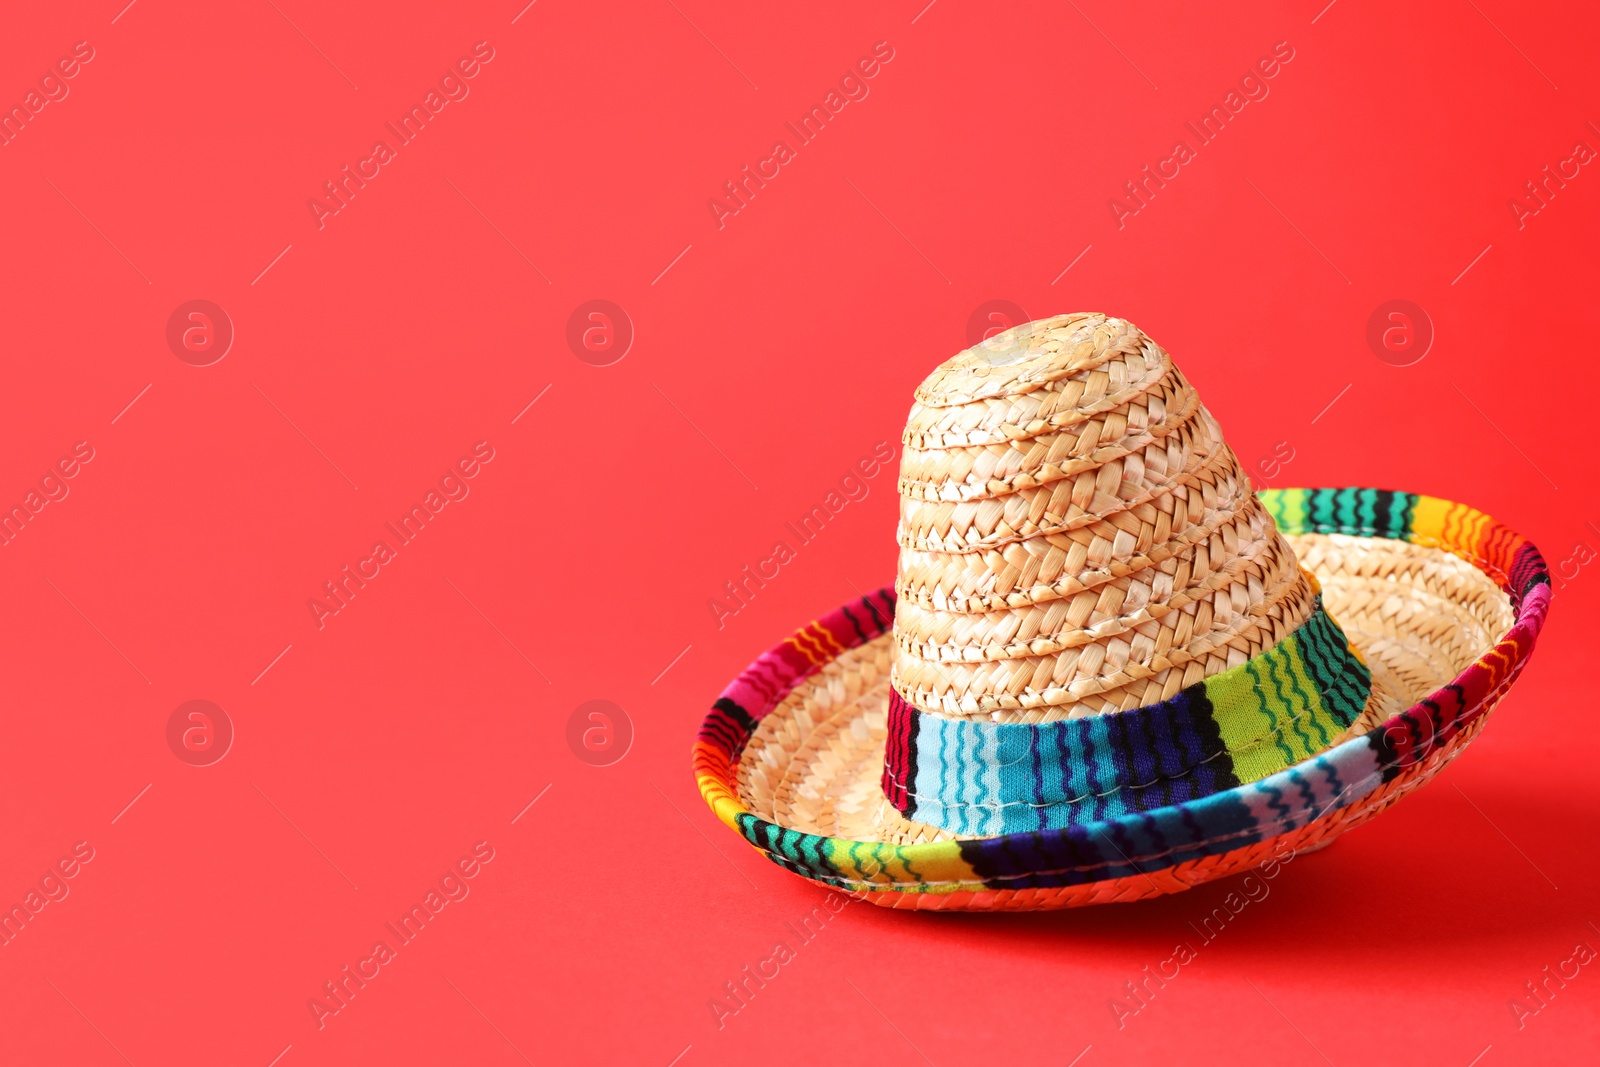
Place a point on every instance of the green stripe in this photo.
(1295, 668)
(1287, 508)
(1271, 710)
(1285, 714)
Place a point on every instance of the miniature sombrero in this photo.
(1107, 669)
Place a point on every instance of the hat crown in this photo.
(1029, 357)
(1095, 614)
(1076, 537)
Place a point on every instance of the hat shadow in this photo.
(1435, 851)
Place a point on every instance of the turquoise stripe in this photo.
(1368, 508)
(1346, 503)
(1321, 508)
(980, 777)
(1113, 803)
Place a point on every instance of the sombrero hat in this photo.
(1107, 669)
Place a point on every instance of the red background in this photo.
(772, 354)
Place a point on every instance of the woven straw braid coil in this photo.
(1420, 616)
(1076, 537)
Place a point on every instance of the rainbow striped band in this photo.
(1282, 706)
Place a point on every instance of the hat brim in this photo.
(1439, 598)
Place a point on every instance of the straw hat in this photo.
(1107, 669)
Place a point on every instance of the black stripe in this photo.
(877, 619)
(887, 596)
(861, 638)
(1202, 714)
(738, 715)
(913, 729)
(1383, 510)
(722, 733)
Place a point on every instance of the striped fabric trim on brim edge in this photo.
(1141, 842)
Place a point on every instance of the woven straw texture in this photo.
(1076, 537)
(1443, 604)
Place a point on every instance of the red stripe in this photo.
(897, 753)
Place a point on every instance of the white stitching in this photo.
(1311, 527)
(1253, 744)
(983, 883)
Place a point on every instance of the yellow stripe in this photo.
(904, 867)
(827, 637)
(722, 801)
(1473, 523)
(810, 650)
(1444, 524)
(1428, 520)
